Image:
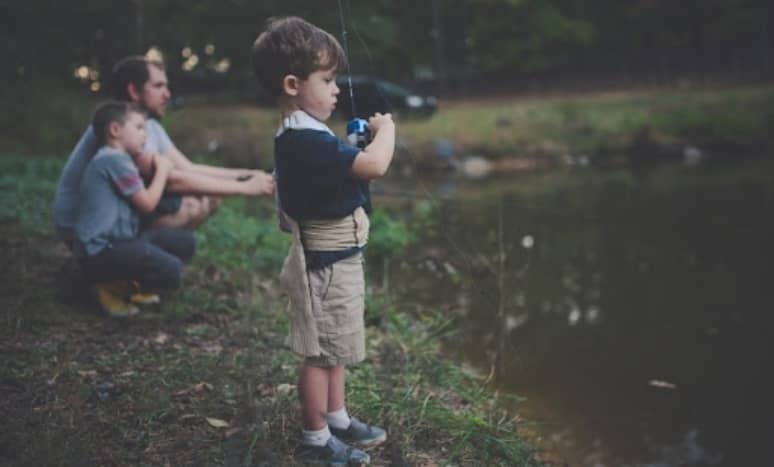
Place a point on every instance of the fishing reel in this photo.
(357, 133)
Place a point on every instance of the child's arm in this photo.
(373, 161)
(146, 199)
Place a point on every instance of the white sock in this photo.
(316, 438)
(338, 419)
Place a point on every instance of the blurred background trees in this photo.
(455, 46)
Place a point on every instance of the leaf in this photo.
(217, 423)
(657, 383)
(264, 390)
(161, 338)
(196, 388)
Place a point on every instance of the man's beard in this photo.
(153, 113)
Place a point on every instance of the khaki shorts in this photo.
(338, 305)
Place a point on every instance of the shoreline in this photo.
(204, 379)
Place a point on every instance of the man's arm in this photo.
(373, 161)
(188, 181)
(181, 162)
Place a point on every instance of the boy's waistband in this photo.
(336, 234)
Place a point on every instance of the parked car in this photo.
(375, 95)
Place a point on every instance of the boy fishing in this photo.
(323, 191)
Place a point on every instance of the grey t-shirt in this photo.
(104, 213)
(66, 201)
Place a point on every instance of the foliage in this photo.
(242, 237)
(389, 236)
(28, 185)
(462, 38)
(42, 117)
(207, 377)
(438, 400)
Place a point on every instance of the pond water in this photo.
(632, 312)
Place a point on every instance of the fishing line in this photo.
(388, 104)
(346, 53)
(427, 194)
(502, 301)
(469, 255)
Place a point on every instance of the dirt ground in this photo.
(180, 385)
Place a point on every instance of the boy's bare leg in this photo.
(194, 210)
(335, 389)
(313, 385)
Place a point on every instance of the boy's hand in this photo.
(378, 121)
(261, 183)
(144, 163)
(162, 164)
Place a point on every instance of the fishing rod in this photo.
(424, 192)
(357, 128)
(346, 53)
(357, 134)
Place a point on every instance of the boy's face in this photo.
(131, 134)
(317, 94)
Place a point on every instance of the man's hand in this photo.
(260, 183)
(247, 174)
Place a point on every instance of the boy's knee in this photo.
(172, 275)
(186, 246)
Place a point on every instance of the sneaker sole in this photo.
(332, 464)
(371, 443)
(142, 299)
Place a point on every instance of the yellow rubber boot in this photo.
(141, 297)
(113, 299)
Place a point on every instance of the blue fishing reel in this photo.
(357, 133)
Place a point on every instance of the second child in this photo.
(109, 244)
(322, 185)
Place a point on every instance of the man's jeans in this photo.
(154, 259)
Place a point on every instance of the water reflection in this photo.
(638, 324)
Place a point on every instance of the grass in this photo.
(727, 118)
(205, 379)
(81, 389)
(601, 122)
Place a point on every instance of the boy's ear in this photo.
(290, 85)
(113, 129)
(133, 92)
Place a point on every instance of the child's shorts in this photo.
(338, 305)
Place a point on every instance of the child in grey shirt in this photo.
(109, 244)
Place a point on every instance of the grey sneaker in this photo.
(335, 453)
(360, 434)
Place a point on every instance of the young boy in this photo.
(108, 241)
(322, 187)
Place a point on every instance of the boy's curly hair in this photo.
(293, 46)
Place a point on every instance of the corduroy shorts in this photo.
(338, 307)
